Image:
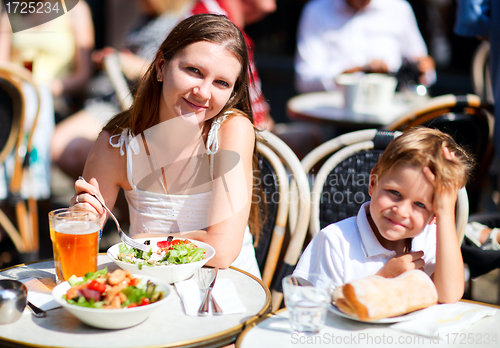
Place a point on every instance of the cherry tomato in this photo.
(164, 244)
(145, 301)
(95, 285)
(134, 281)
(177, 241)
(132, 305)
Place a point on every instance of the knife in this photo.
(215, 306)
(208, 296)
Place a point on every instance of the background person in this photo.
(345, 36)
(481, 19)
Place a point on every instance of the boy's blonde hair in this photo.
(421, 147)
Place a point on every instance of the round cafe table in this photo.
(168, 326)
(328, 107)
(273, 330)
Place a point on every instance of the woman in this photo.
(195, 93)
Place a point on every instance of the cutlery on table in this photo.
(126, 239)
(300, 281)
(36, 311)
(216, 310)
(206, 281)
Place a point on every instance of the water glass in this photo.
(307, 305)
(75, 237)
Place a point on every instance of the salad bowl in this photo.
(169, 273)
(112, 318)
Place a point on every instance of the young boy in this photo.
(408, 224)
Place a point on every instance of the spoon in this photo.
(36, 311)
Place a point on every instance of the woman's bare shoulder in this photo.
(106, 162)
(238, 128)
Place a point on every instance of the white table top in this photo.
(274, 331)
(329, 107)
(166, 327)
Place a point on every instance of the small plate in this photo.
(409, 316)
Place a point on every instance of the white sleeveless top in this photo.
(159, 213)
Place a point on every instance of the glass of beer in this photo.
(75, 240)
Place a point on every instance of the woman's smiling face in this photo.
(401, 203)
(199, 80)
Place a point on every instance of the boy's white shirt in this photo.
(349, 250)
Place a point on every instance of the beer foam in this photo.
(77, 227)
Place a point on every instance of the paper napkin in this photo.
(39, 294)
(224, 293)
(438, 320)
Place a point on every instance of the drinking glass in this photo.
(307, 305)
(75, 241)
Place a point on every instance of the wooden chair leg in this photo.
(33, 216)
(23, 225)
(12, 232)
(276, 300)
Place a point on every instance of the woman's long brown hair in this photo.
(144, 113)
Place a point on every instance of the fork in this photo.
(204, 281)
(126, 239)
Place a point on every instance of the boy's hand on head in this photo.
(402, 263)
(445, 196)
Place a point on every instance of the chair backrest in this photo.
(283, 253)
(274, 184)
(341, 185)
(118, 81)
(17, 141)
(480, 73)
(468, 120)
(11, 113)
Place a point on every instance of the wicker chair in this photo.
(284, 250)
(15, 140)
(274, 183)
(114, 73)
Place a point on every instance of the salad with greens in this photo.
(165, 252)
(119, 289)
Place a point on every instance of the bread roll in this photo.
(376, 297)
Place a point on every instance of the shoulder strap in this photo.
(213, 140)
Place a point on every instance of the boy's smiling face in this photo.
(401, 204)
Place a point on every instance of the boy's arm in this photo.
(449, 270)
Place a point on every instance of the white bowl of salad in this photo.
(171, 261)
(114, 300)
